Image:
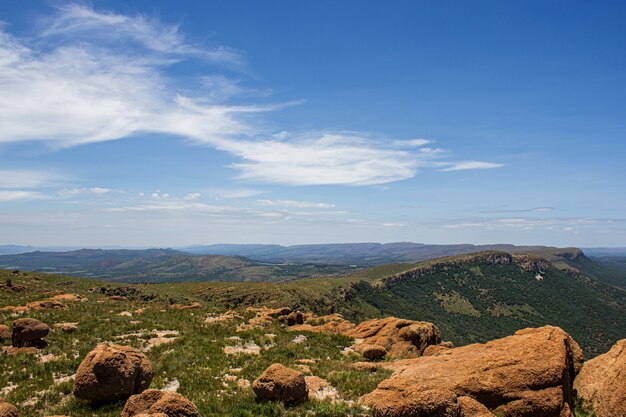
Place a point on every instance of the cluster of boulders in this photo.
(535, 372)
(527, 374)
(530, 373)
(111, 373)
(394, 337)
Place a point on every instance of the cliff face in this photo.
(530, 263)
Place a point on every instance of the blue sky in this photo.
(160, 123)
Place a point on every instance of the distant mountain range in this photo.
(271, 262)
(361, 254)
(161, 265)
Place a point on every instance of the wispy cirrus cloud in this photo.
(14, 195)
(467, 165)
(98, 191)
(149, 32)
(89, 76)
(295, 204)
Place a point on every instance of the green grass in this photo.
(196, 358)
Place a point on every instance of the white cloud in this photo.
(192, 196)
(325, 159)
(295, 204)
(13, 195)
(69, 192)
(228, 193)
(92, 76)
(416, 143)
(466, 165)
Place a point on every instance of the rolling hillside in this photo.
(161, 265)
(472, 298)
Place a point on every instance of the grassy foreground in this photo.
(40, 385)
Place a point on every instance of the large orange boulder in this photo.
(601, 382)
(529, 374)
(29, 333)
(8, 410)
(279, 383)
(401, 338)
(111, 373)
(155, 403)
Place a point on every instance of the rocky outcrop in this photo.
(155, 403)
(8, 410)
(332, 323)
(528, 374)
(400, 338)
(29, 332)
(279, 383)
(601, 382)
(111, 373)
(264, 317)
(293, 318)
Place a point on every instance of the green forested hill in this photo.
(483, 297)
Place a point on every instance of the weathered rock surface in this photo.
(527, 374)
(155, 403)
(434, 350)
(8, 410)
(601, 382)
(371, 352)
(66, 327)
(5, 332)
(320, 389)
(472, 408)
(191, 306)
(29, 332)
(401, 338)
(112, 372)
(279, 383)
(333, 323)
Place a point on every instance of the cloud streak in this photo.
(295, 204)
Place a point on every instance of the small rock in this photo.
(29, 332)
(5, 332)
(155, 403)
(66, 327)
(320, 389)
(279, 383)
(8, 410)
